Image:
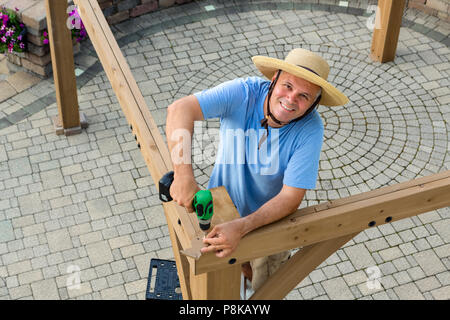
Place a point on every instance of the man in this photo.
(265, 186)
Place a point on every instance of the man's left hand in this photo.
(224, 238)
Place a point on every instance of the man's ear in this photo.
(275, 75)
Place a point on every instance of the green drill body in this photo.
(203, 206)
(202, 202)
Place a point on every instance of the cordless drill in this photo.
(202, 203)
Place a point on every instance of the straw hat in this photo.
(307, 65)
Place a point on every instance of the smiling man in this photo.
(282, 114)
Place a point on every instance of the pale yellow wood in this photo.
(298, 267)
(180, 260)
(376, 193)
(385, 38)
(304, 228)
(134, 107)
(223, 284)
(183, 227)
(61, 50)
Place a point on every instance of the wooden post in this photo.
(69, 121)
(385, 35)
(222, 284)
(183, 227)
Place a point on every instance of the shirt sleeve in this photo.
(219, 101)
(303, 167)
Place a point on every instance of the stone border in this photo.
(93, 70)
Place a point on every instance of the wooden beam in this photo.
(150, 142)
(180, 260)
(385, 36)
(61, 49)
(348, 216)
(223, 284)
(298, 267)
(183, 227)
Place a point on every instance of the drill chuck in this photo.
(204, 224)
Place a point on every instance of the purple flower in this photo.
(22, 45)
(5, 18)
(45, 41)
(19, 38)
(4, 39)
(45, 34)
(17, 9)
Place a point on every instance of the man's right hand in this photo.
(183, 189)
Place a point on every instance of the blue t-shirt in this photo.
(253, 176)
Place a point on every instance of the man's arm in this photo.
(225, 237)
(181, 115)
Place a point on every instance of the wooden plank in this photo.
(61, 50)
(183, 227)
(301, 229)
(298, 267)
(152, 146)
(180, 260)
(376, 193)
(223, 284)
(385, 38)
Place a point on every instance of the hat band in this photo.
(308, 69)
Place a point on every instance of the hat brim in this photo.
(330, 95)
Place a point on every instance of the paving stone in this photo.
(59, 240)
(98, 208)
(6, 91)
(22, 80)
(441, 293)
(408, 291)
(114, 293)
(135, 287)
(45, 290)
(108, 146)
(443, 229)
(360, 256)
(6, 231)
(429, 262)
(123, 182)
(337, 289)
(99, 253)
(391, 253)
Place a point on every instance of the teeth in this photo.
(286, 108)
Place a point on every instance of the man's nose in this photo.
(290, 97)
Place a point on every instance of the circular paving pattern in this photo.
(383, 136)
(89, 198)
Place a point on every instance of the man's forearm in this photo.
(280, 206)
(179, 131)
(225, 237)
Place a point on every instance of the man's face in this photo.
(291, 97)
